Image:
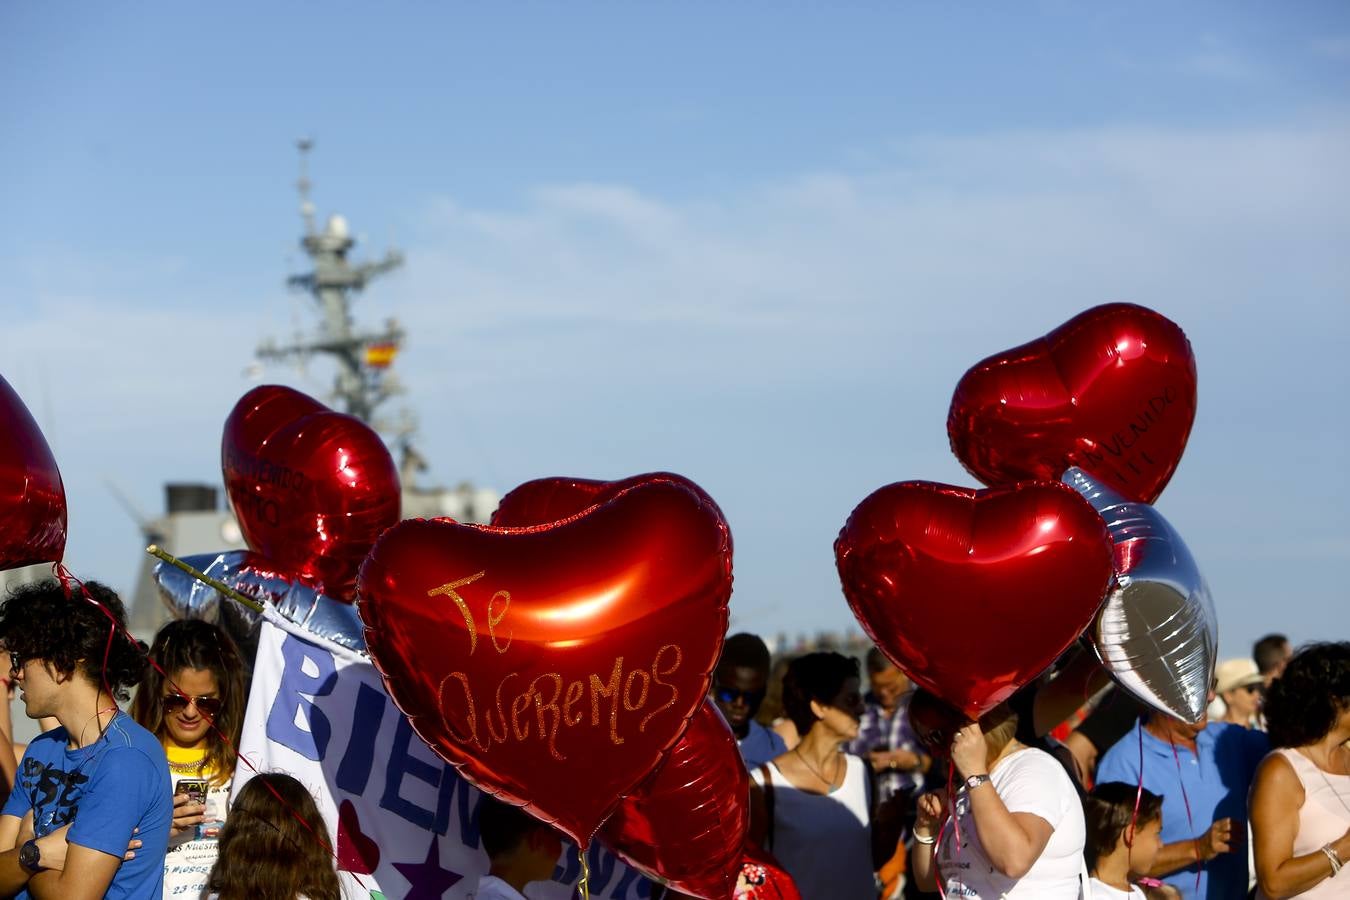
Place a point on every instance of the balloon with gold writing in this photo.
(974, 592)
(686, 824)
(32, 497)
(1112, 391)
(312, 488)
(545, 500)
(554, 665)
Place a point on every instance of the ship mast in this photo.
(363, 381)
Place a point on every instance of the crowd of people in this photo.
(1068, 789)
(895, 794)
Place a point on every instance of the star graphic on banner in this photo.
(427, 880)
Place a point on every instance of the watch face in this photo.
(29, 855)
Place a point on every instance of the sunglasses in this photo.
(207, 706)
(15, 663)
(731, 695)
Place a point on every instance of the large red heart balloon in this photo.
(545, 500)
(686, 824)
(32, 498)
(974, 593)
(312, 488)
(1111, 391)
(554, 664)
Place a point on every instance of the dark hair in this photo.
(1108, 811)
(818, 677)
(74, 631)
(266, 852)
(1268, 652)
(877, 662)
(745, 650)
(502, 826)
(1303, 703)
(194, 644)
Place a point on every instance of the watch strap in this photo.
(975, 781)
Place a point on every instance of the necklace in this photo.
(1325, 780)
(816, 772)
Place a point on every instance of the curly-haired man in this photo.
(92, 791)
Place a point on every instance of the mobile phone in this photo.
(195, 788)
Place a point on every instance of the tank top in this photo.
(1324, 817)
(824, 840)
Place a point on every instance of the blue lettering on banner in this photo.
(468, 818)
(644, 887)
(367, 716)
(401, 764)
(295, 694)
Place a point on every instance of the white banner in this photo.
(319, 712)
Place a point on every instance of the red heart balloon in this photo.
(32, 498)
(686, 824)
(974, 593)
(1111, 391)
(547, 500)
(554, 664)
(312, 488)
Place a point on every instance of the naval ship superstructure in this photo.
(197, 519)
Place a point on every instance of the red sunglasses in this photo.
(207, 706)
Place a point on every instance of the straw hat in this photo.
(1235, 673)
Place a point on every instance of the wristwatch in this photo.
(30, 857)
(975, 781)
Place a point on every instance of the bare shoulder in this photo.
(1277, 776)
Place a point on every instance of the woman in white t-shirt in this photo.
(1017, 830)
(810, 806)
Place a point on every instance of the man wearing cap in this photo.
(1240, 684)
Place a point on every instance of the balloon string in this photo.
(584, 885)
(1190, 822)
(951, 803)
(66, 578)
(1138, 793)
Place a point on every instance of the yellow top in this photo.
(186, 761)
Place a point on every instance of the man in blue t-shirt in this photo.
(1203, 773)
(92, 802)
(739, 684)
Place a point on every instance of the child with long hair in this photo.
(274, 847)
(197, 713)
(1122, 845)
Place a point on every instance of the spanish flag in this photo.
(381, 356)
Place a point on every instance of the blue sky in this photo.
(755, 244)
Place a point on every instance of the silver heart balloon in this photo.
(1157, 632)
(252, 575)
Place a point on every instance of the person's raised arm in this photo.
(931, 812)
(1277, 795)
(1013, 841)
(1178, 855)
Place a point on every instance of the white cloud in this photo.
(803, 331)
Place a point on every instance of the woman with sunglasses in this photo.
(811, 806)
(1017, 831)
(197, 713)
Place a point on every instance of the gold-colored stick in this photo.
(159, 553)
